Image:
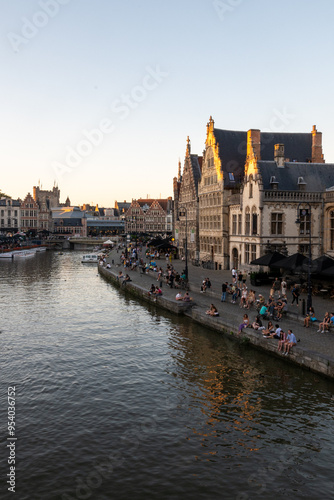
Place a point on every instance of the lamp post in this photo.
(304, 212)
(182, 213)
(134, 220)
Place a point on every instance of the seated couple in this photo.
(185, 297)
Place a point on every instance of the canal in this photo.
(117, 400)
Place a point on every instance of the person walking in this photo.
(295, 295)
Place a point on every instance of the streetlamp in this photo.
(182, 213)
(304, 213)
(134, 221)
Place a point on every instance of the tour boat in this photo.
(6, 255)
(40, 249)
(23, 254)
(90, 258)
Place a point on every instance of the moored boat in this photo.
(23, 254)
(91, 258)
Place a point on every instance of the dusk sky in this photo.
(100, 95)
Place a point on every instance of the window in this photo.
(231, 176)
(304, 226)
(234, 224)
(253, 252)
(251, 190)
(254, 223)
(276, 223)
(247, 253)
(332, 229)
(247, 222)
(239, 223)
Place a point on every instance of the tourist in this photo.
(203, 286)
(127, 278)
(276, 334)
(178, 296)
(290, 342)
(244, 295)
(269, 330)
(244, 324)
(234, 275)
(212, 311)
(310, 317)
(224, 290)
(257, 323)
(282, 341)
(284, 287)
(186, 297)
(295, 294)
(325, 323)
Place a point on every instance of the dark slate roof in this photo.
(318, 176)
(67, 222)
(296, 146)
(14, 203)
(233, 149)
(232, 152)
(196, 168)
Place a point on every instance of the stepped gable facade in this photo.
(186, 205)
(281, 179)
(149, 216)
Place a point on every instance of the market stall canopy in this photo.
(268, 259)
(108, 242)
(293, 263)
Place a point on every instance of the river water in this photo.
(118, 400)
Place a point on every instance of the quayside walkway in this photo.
(315, 351)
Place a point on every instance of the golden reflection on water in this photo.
(225, 393)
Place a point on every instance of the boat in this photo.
(90, 258)
(24, 254)
(6, 255)
(40, 249)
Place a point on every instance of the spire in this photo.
(188, 147)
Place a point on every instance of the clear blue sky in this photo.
(148, 73)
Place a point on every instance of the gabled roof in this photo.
(196, 168)
(233, 149)
(232, 152)
(297, 147)
(317, 176)
(162, 202)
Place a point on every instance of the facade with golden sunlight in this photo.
(222, 173)
(186, 217)
(286, 178)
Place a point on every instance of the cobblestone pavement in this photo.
(322, 343)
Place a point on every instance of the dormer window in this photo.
(273, 182)
(301, 183)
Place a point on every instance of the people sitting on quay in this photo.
(244, 324)
(276, 334)
(257, 323)
(127, 278)
(269, 330)
(281, 342)
(157, 291)
(108, 266)
(120, 275)
(179, 296)
(212, 311)
(187, 298)
(324, 325)
(290, 342)
(264, 312)
(310, 317)
(152, 289)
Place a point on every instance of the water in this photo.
(116, 400)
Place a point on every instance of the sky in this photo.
(99, 96)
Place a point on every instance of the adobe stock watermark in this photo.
(121, 107)
(225, 7)
(31, 27)
(280, 120)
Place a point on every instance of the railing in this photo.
(298, 196)
(329, 196)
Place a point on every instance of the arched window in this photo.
(247, 221)
(332, 229)
(254, 221)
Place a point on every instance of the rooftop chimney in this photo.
(317, 155)
(279, 155)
